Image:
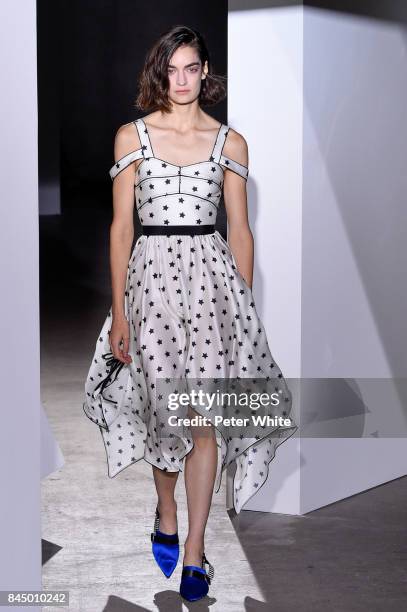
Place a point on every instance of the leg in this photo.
(167, 507)
(200, 474)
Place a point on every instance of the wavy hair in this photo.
(153, 82)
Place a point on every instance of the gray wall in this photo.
(20, 527)
(326, 129)
(354, 295)
(265, 104)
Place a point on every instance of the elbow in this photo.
(240, 234)
(123, 232)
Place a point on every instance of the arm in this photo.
(240, 237)
(121, 239)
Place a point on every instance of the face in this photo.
(185, 74)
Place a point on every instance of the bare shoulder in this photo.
(151, 118)
(126, 140)
(236, 147)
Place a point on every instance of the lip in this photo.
(182, 90)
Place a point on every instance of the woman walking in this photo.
(182, 305)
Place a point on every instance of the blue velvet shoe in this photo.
(195, 581)
(165, 547)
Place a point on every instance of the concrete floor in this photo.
(347, 557)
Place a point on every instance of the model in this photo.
(182, 305)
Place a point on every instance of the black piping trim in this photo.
(223, 466)
(140, 137)
(216, 141)
(224, 142)
(150, 178)
(148, 136)
(198, 163)
(175, 194)
(127, 165)
(228, 168)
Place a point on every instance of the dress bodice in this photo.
(168, 194)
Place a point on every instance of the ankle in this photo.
(167, 507)
(194, 547)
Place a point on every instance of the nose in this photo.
(181, 80)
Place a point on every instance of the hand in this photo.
(120, 334)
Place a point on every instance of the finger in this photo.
(121, 353)
(126, 347)
(125, 350)
(117, 351)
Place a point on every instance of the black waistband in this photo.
(167, 230)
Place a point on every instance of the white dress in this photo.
(192, 317)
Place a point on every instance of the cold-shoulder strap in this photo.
(144, 137)
(124, 162)
(221, 159)
(219, 142)
(234, 166)
(144, 151)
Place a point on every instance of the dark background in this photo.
(90, 54)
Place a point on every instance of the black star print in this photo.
(203, 323)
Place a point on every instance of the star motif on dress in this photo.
(220, 316)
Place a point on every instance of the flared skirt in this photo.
(192, 318)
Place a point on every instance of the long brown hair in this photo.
(153, 81)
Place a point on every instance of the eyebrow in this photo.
(186, 66)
